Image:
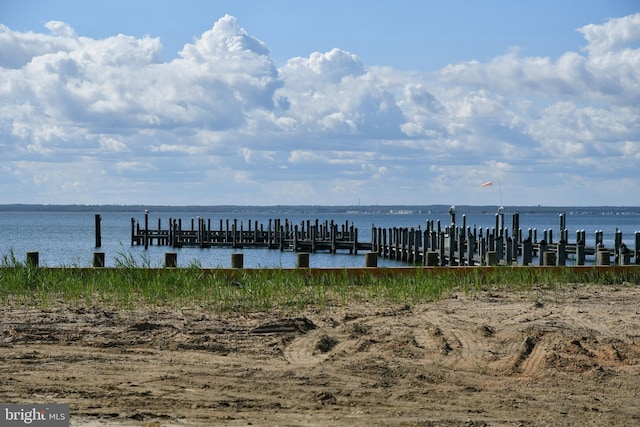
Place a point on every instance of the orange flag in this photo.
(486, 184)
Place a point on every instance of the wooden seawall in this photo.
(451, 245)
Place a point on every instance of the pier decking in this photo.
(436, 245)
(284, 235)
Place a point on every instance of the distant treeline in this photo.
(317, 209)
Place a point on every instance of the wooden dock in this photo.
(436, 245)
(460, 245)
(277, 234)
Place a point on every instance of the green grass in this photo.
(132, 284)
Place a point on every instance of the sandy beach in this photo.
(494, 358)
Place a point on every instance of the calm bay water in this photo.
(68, 238)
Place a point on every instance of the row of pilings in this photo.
(308, 236)
(455, 244)
(460, 245)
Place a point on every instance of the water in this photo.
(68, 238)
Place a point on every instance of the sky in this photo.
(320, 102)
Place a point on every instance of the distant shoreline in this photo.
(319, 209)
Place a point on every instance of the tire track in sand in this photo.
(476, 346)
(317, 346)
(454, 341)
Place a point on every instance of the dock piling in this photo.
(98, 231)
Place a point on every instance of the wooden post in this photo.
(374, 242)
(432, 259)
(471, 243)
(452, 246)
(203, 232)
(371, 259)
(624, 255)
(492, 258)
(385, 247)
(170, 259)
(548, 258)
(303, 260)
(234, 231)
(417, 244)
(355, 241)
(562, 253)
(98, 259)
(33, 259)
(434, 240)
(146, 229)
(237, 260)
(542, 250)
(425, 246)
(500, 247)
(580, 254)
(281, 238)
(199, 232)
(603, 257)
(404, 244)
(527, 252)
(314, 232)
(98, 231)
(334, 232)
(598, 238)
(515, 234)
(255, 232)
(461, 242)
(491, 240)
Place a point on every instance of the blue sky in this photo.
(287, 102)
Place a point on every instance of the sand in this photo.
(494, 358)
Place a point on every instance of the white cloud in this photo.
(137, 166)
(305, 156)
(110, 144)
(615, 34)
(326, 126)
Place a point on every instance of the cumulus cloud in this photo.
(615, 34)
(76, 112)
